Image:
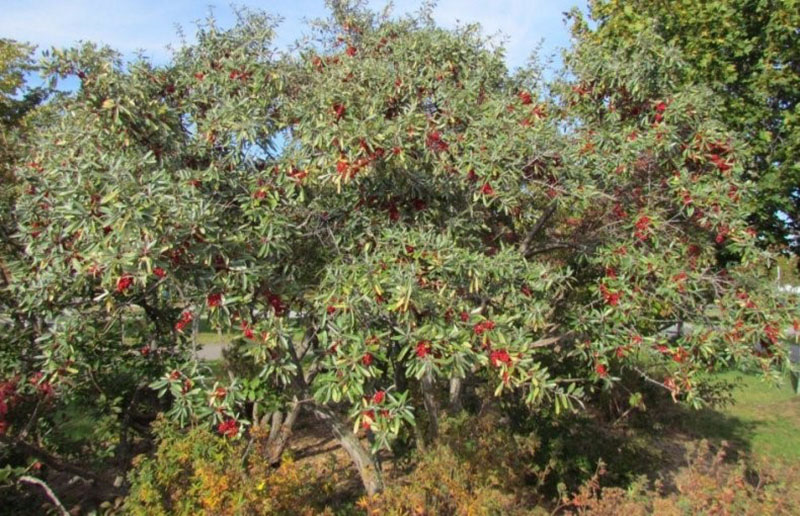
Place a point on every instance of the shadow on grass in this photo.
(717, 427)
(655, 444)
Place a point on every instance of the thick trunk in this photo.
(363, 460)
(431, 407)
(419, 439)
(277, 445)
(456, 387)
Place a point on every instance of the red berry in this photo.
(339, 110)
(124, 282)
(229, 428)
(423, 348)
(214, 299)
(601, 370)
(368, 419)
(499, 356)
(248, 332)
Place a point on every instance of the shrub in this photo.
(708, 485)
(198, 472)
(473, 469)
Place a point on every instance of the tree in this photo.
(429, 221)
(108, 211)
(748, 53)
(16, 101)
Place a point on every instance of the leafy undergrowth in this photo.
(197, 472)
(475, 469)
(708, 484)
(738, 459)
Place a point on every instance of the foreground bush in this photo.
(708, 485)
(476, 469)
(473, 469)
(197, 472)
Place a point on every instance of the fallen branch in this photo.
(49, 492)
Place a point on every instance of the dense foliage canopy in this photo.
(385, 218)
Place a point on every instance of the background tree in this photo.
(748, 53)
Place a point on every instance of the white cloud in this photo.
(524, 23)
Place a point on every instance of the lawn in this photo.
(763, 420)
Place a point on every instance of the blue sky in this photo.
(149, 25)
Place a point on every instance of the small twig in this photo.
(49, 492)
(546, 342)
(648, 379)
(32, 420)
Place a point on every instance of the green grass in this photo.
(208, 337)
(763, 420)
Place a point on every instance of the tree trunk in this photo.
(278, 444)
(363, 460)
(456, 388)
(275, 425)
(431, 407)
(195, 330)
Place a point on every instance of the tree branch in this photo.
(49, 492)
(526, 242)
(50, 459)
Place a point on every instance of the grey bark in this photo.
(278, 445)
(275, 425)
(431, 407)
(456, 388)
(363, 460)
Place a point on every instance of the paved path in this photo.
(211, 351)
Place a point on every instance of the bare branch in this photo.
(548, 212)
(49, 492)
